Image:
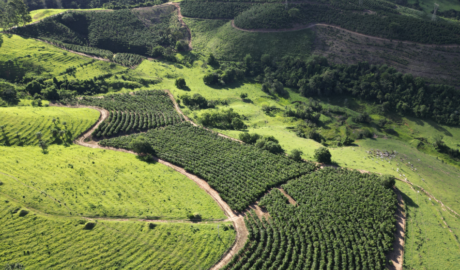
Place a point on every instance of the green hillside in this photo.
(21, 124)
(79, 181)
(40, 241)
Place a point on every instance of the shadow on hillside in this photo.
(408, 200)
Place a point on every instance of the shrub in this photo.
(296, 155)
(23, 212)
(323, 155)
(388, 181)
(181, 46)
(270, 144)
(152, 226)
(243, 95)
(158, 51)
(90, 225)
(249, 138)
(210, 79)
(180, 83)
(140, 145)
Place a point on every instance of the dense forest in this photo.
(342, 220)
(392, 91)
(241, 173)
(116, 31)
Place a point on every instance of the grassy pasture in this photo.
(225, 42)
(431, 240)
(47, 242)
(100, 183)
(23, 122)
(41, 14)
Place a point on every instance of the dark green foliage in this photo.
(212, 61)
(122, 31)
(127, 59)
(180, 83)
(387, 24)
(196, 101)
(343, 220)
(86, 4)
(9, 94)
(89, 225)
(296, 155)
(181, 46)
(211, 79)
(130, 113)
(140, 145)
(323, 155)
(396, 92)
(23, 212)
(243, 95)
(157, 51)
(210, 10)
(241, 173)
(272, 146)
(152, 226)
(225, 119)
(249, 138)
(388, 181)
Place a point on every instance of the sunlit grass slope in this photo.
(22, 123)
(31, 58)
(94, 182)
(431, 240)
(47, 242)
(225, 42)
(40, 14)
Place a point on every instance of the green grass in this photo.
(41, 14)
(23, 122)
(47, 242)
(225, 42)
(22, 57)
(443, 5)
(95, 182)
(429, 244)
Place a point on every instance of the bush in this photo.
(140, 145)
(23, 212)
(249, 138)
(388, 181)
(180, 83)
(243, 95)
(90, 225)
(270, 144)
(323, 155)
(296, 155)
(158, 51)
(152, 226)
(181, 46)
(211, 79)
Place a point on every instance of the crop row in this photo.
(342, 220)
(133, 112)
(240, 173)
(125, 122)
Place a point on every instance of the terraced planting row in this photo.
(133, 112)
(20, 125)
(240, 173)
(47, 242)
(343, 220)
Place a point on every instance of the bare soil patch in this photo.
(397, 254)
(290, 199)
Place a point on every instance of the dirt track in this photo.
(237, 219)
(397, 254)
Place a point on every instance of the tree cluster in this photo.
(225, 119)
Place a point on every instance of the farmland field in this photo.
(79, 181)
(22, 123)
(55, 242)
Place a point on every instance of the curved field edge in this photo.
(41, 242)
(22, 123)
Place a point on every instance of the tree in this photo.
(180, 83)
(39, 135)
(181, 46)
(270, 144)
(323, 155)
(158, 51)
(210, 78)
(294, 12)
(43, 145)
(243, 95)
(388, 181)
(140, 145)
(212, 61)
(14, 266)
(9, 94)
(238, 124)
(249, 138)
(14, 13)
(296, 155)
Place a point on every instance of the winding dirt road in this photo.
(397, 254)
(236, 218)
